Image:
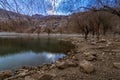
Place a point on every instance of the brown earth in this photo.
(90, 60)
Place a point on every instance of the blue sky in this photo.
(47, 7)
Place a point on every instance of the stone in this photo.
(93, 43)
(71, 63)
(86, 66)
(108, 44)
(87, 53)
(66, 64)
(116, 51)
(20, 71)
(52, 66)
(90, 56)
(116, 65)
(102, 41)
(29, 78)
(61, 65)
(5, 74)
(75, 58)
(23, 73)
(47, 77)
(101, 47)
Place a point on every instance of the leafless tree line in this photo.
(97, 19)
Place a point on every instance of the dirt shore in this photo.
(90, 60)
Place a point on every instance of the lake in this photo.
(18, 52)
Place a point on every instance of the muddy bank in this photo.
(90, 60)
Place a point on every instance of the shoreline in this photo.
(35, 35)
(90, 60)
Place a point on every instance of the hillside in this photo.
(14, 22)
(88, 22)
(6, 15)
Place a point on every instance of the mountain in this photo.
(10, 15)
(37, 16)
(5, 15)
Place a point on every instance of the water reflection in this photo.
(17, 52)
(29, 58)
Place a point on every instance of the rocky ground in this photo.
(90, 60)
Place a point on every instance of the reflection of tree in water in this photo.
(48, 41)
(16, 45)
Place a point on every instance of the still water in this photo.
(18, 52)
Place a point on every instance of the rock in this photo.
(52, 66)
(29, 78)
(20, 71)
(108, 44)
(61, 65)
(102, 41)
(69, 53)
(66, 64)
(93, 43)
(116, 40)
(5, 74)
(86, 66)
(75, 58)
(90, 53)
(101, 47)
(116, 65)
(23, 73)
(71, 63)
(47, 77)
(116, 51)
(90, 56)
